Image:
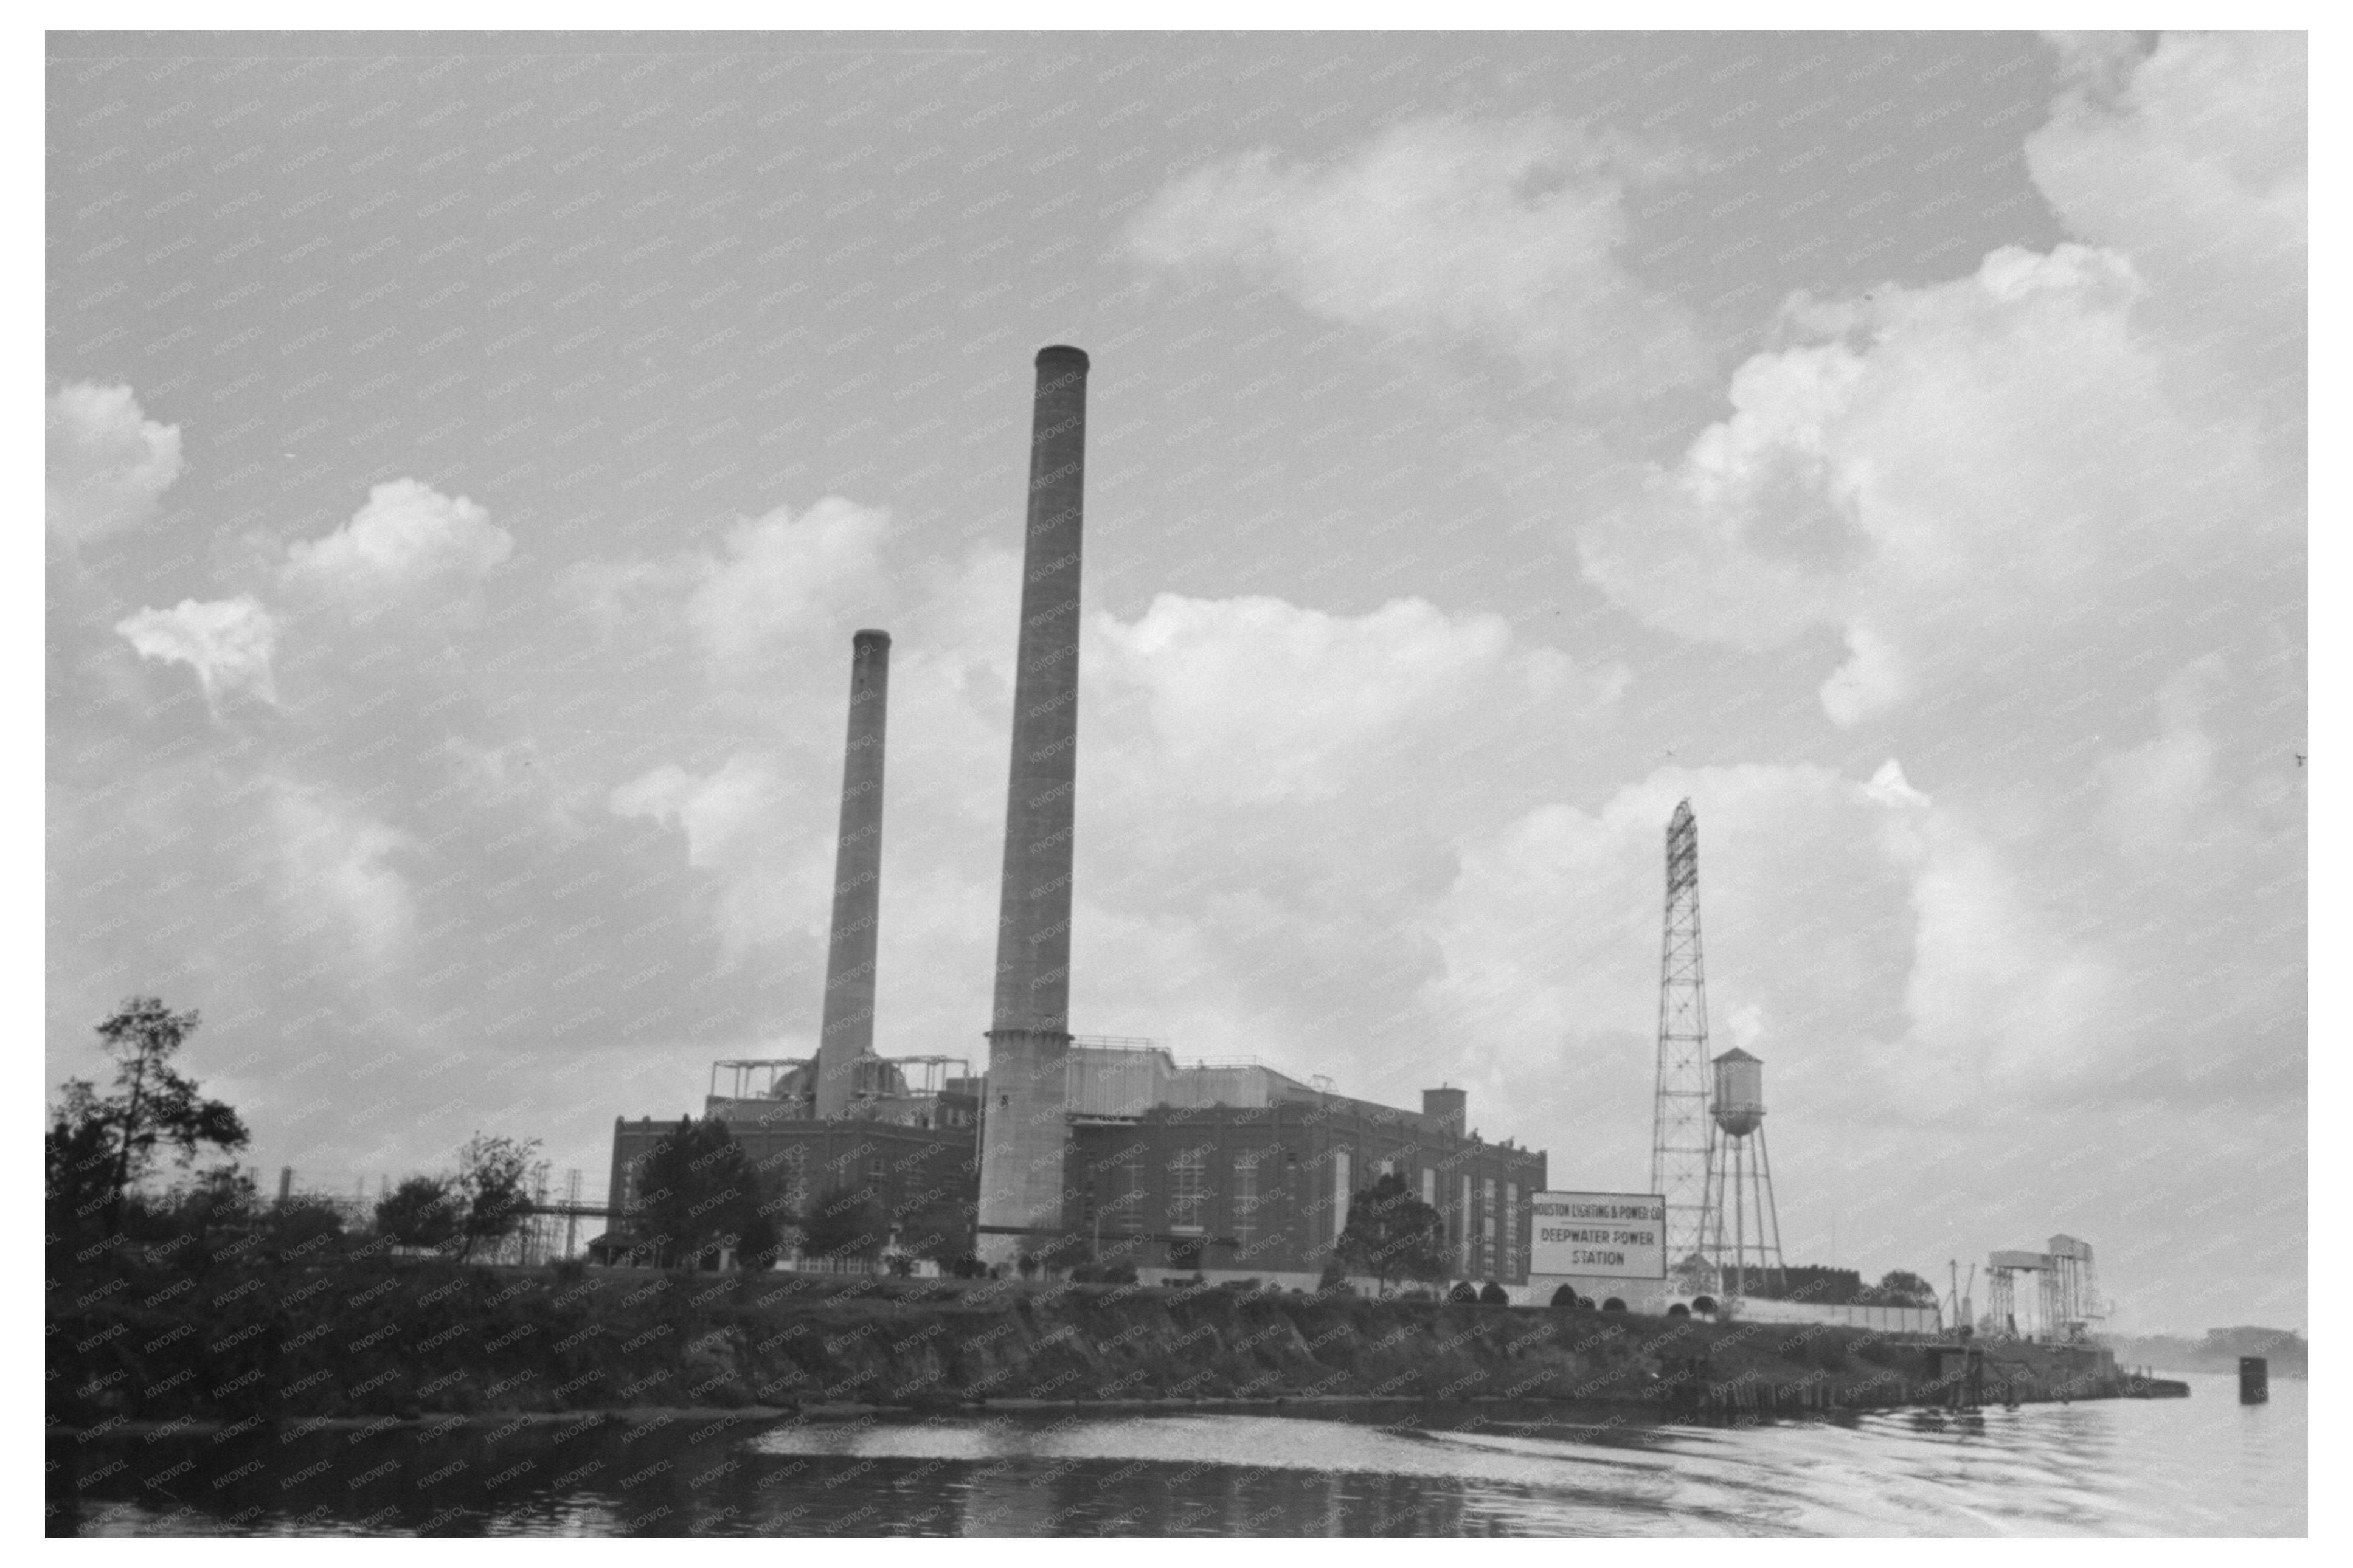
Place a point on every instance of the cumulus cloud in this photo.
(227, 642)
(108, 462)
(518, 774)
(2153, 791)
(2191, 160)
(1267, 796)
(1255, 699)
(742, 826)
(1999, 997)
(1550, 930)
(612, 595)
(778, 587)
(1874, 944)
(1506, 236)
(760, 628)
(783, 578)
(408, 537)
(1948, 483)
(336, 869)
(2029, 469)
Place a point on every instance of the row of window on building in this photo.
(1483, 1228)
(1255, 1190)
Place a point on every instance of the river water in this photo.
(2200, 1466)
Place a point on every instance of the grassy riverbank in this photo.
(378, 1341)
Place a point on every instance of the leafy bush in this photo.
(1494, 1295)
(420, 1212)
(1464, 1292)
(303, 1227)
(1566, 1297)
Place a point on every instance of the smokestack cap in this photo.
(1062, 354)
(870, 638)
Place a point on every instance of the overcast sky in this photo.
(468, 458)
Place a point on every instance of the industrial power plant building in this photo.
(1225, 1171)
(1067, 1148)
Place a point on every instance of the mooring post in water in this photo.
(2254, 1380)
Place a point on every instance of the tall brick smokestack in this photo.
(849, 1031)
(1023, 1131)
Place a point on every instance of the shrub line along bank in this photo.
(437, 1340)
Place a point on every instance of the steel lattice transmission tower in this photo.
(1680, 1128)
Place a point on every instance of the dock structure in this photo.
(2067, 1294)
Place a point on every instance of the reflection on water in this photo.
(2204, 1466)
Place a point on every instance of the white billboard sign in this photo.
(1614, 1236)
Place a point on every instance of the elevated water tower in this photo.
(1741, 1235)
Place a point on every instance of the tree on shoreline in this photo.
(495, 1176)
(700, 1196)
(99, 1146)
(843, 1223)
(420, 1212)
(1391, 1234)
(937, 1226)
(1902, 1288)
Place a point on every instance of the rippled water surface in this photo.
(2203, 1466)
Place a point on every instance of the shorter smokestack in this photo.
(848, 1034)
